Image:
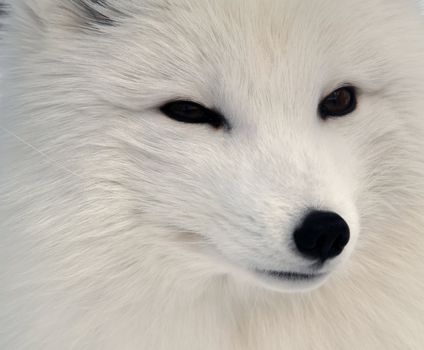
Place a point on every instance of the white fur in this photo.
(123, 229)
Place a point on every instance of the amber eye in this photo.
(193, 113)
(339, 103)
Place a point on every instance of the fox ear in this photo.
(94, 12)
(86, 14)
(2, 8)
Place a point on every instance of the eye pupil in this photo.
(188, 111)
(339, 103)
(193, 113)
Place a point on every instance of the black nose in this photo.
(322, 235)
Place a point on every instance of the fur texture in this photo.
(123, 229)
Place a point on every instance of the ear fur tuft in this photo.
(96, 12)
(83, 14)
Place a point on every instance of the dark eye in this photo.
(339, 103)
(194, 113)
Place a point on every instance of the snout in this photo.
(322, 235)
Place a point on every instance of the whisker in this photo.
(44, 155)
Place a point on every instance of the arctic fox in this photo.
(212, 175)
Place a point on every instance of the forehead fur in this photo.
(270, 37)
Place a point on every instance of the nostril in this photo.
(322, 235)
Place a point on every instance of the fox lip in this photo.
(291, 276)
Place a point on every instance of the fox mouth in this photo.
(275, 280)
(291, 276)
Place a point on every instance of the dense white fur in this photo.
(123, 229)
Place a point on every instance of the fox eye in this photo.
(339, 103)
(193, 113)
